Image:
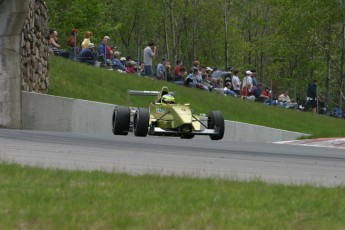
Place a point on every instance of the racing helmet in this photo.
(168, 99)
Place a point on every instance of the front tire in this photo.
(216, 121)
(121, 119)
(141, 122)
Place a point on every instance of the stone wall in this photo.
(34, 48)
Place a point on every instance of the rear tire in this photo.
(141, 122)
(121, 118)
(216, 121)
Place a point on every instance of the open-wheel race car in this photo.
(164, 117)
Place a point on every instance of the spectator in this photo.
(253, 76)
(194, 80)
(178, 66)
(268, 92)
(285, 101)
(54, 46)
(205, 81)
(168, 72)
(257, 92)
(180, 77)
(130, 68)
(104, 50)
(247, 79)
(236, 83)
(160, 74)
(209, 71)
(312, 95)
(218, 73)
(142, 69)
(149, 53)
(87, 55)
(196, 64)
(247, 92)
(216, 87)
(117, 64)
(87, 39)
(72, 44)
(228, 91)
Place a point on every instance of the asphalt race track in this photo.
(199, 157)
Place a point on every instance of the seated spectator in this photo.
(54, 46)
(194, 80)
(216, 88)
(160, 73)
(257, 92)
(141, 71)
(205, 81)
(285, 101)
(168, 72)
(180, 77)
(87, 55)
(268, 92)
(130, 67)
(117, 64)
(228, 91)
(247, 92)
(177, 67)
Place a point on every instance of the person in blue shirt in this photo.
(117, 64)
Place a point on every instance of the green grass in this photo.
(76, 80)
(35, 198)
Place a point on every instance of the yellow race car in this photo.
(165, 117)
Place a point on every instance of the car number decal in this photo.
(159, 110)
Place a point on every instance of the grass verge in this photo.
(35, 198)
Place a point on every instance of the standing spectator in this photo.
(178, 66)
(149, 53)
(117, 64)
(160, 74)
(247, 79)
(253, 76)
(104, 50)
(236, 83)
(218, 73)
(312, 95)
(87, 39)
(87, 55)
(72, 44)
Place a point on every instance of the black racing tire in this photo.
(216, 121)
(121, 119)
(141, 122)
(187, 136)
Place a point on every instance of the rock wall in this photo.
(34, 48)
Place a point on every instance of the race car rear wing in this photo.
(143, 93)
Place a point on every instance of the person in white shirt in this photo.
(236, 83)
(247, 79)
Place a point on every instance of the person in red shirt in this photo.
(247, 92)
(177, 67)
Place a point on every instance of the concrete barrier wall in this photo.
(51, 113)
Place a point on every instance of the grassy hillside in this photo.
(76, 80)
